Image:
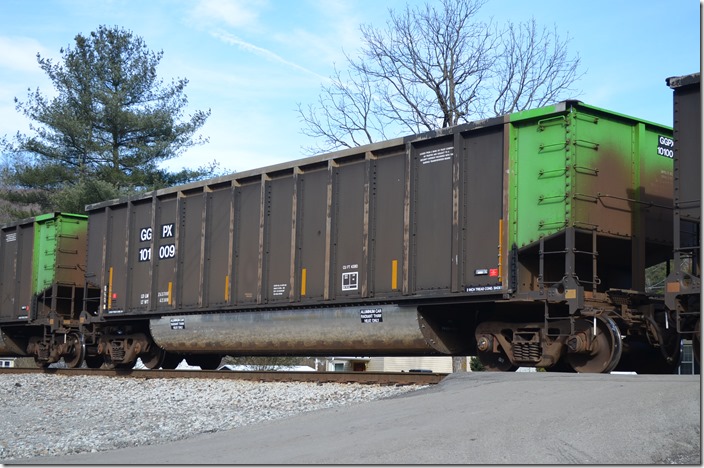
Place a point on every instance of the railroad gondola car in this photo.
(521, 239)
(683, 286)
(42, 284)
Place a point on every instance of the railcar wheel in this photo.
(496, 362)
(605, 350)
(154, 358)
(75, 360)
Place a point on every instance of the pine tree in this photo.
(111, 124)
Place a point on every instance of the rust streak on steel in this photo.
(371, 378)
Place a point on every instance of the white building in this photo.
(7, 362)
(440, 364)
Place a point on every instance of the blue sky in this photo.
(252, 61)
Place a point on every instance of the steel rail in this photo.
(372, 378)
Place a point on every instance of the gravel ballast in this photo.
(48, 415)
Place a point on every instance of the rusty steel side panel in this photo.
(165, 249)
(247, 214)
(482, 210)
(386, 231)
(457, 212)
(116, 259)
(96, 277)
(431, 222)
(95, 267)
(688, 162)
(16, 254)
(8, 287)
(218, 253)
(688, 146)
(602, 162)
(278, 229)
(620, 183)
(313, 242)
(190, 248)
(140, 251)
(683, 288)
(350, 227)
(688, 168)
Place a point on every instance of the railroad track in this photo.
(372, 378)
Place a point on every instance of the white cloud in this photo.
(20, 72)
(20, 54)
(262, 52)
(335, 29)
(232, 13)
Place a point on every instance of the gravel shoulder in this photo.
(469, 418)
(49, 415)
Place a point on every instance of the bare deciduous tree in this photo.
(437, 67)
(349, 108)
(533, 69)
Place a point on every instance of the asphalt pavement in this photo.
(469, 418)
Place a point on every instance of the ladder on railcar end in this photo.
(61, 300)
(686, 270)
(689, 313)
(686, 320)
(570, 277)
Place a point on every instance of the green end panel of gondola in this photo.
(59, 250)
(574, 165)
